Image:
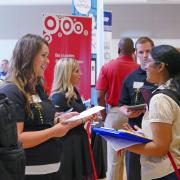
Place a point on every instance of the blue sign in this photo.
(107, 21)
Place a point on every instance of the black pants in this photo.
(133, 166)
(171, 176)
(52, 176)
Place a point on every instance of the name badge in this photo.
(36, 99)
(138, 85)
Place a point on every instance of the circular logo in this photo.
(48, 38)
(67, 25)
(83, 6)
(85, 32)
(78, 27)
(51, 24)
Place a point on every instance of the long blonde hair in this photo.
(62, 78)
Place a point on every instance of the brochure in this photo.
(85, 113)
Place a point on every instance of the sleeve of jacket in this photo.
(125, 96)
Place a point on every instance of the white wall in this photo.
(173, 42)
(156, 21)
(7, 45)
(6, 48)
(160, 22)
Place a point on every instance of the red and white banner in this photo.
(69, 36)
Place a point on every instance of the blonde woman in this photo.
(76, 161)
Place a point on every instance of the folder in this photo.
(121, 139)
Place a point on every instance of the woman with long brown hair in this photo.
(35, 112)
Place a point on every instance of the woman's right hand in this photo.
(60, 116)
(60, 128)
(136, 129)
(130, 113)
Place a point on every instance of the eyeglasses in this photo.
(160, 62)
(151, 60)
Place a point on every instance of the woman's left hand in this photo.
(60, 117)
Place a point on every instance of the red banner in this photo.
(69, 36)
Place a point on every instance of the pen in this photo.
(69, 110)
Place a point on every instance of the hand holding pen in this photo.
(59, 116)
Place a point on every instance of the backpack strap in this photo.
(176, 97)
(172, 94)
(174, 165)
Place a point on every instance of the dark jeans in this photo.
(133, 167)
(99, 148)
(171, 176)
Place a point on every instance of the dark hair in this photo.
(126, 46)
(143, 40)
(21, 70)
(170, 56)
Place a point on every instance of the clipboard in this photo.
(137, 107)
(121, 134)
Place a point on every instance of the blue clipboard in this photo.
(122, 134)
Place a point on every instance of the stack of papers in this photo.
(85, 113)
(120, 139)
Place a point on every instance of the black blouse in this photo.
(43, 117)
(60, 102)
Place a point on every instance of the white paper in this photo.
(85, 113)
(119, 143)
